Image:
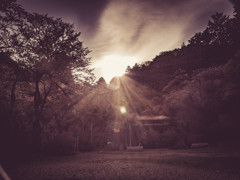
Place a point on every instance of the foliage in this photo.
(198, 83)
(45, 73)
(201, 101)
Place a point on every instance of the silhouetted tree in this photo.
(218, 29)
(49, 49)
(216, 33)
(11, 18)
(235, 30)
(236, 6)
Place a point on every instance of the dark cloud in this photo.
(162, 3)
(83, 12)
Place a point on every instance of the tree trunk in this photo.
(13, 96)
(91, 133)
(36, 139)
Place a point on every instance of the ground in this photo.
(205, 163)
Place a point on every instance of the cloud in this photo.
(146, 27)
(84, 14)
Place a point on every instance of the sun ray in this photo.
(137, 92)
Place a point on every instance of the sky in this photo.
(122, 32)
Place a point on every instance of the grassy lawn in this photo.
(148, 164)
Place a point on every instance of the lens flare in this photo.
(123, 110)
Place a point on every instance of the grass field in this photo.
(148, 164)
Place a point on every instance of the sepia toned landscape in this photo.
(119, 89)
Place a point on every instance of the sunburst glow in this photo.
(115, 65)
(123, 110)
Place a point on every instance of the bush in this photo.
(60, 144)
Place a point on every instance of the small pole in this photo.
(77, 143)
(91, 131)
(130, 135)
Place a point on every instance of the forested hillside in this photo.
(198, 84)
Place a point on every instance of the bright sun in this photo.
(114, 65)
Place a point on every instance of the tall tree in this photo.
(216, 33)
(49, 49)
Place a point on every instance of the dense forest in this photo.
(49, 98)
(198, 84)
